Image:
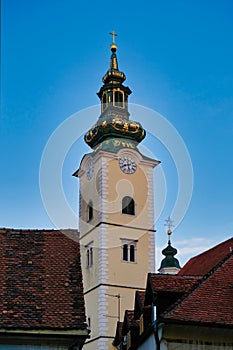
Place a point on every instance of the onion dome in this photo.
(169, 265)
(114, 119)
(169, 260)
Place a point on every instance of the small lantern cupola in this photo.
(114, 118)
(114, 95)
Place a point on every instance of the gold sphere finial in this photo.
(113, 46)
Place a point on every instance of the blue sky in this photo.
(178, 60)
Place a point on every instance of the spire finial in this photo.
(113, 45)
(113, 34)
(169, 224)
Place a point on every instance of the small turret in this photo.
(169, 265)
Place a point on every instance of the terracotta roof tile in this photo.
(203, 263)
(211, 301)
(139, 304)
(129, 321)
(130, 315)
(163, 290)
(172, 283)
(41, 280)
(140, 297)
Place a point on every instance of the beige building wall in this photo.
(109, 281)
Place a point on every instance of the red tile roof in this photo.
(129, 318)
(164, 290)
(196, 300)
(139, 303)
(129, 321)
(203, 263)
(172, 283)
(211, 302)
(140, 296)
(41, 280)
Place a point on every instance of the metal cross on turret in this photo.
(169, 225)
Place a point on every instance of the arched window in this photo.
(132, 252)
(129, 247)
(91, 256)
(104, 101)
(128, 206)
(125, 252)
(90, 211)
(88, 258)
(119, 99)
(89, 253)
(110, 99)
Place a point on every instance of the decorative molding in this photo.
(103, 268)
(169, 270)
(151, 257)
(102, 311)
(150, 215)
(103, 186)
(102, 343)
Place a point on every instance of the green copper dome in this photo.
(169, 260)
(114, 121)
(114, 127)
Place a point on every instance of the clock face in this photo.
(90, 169)
(127, 165)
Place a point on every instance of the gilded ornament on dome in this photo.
(88, 137)
(125, 127)
(116, 143)
(114, 120)
(134, 127)
(118, 124)
(91, 134)
(105, 126)
(127, 144)
(94, 131)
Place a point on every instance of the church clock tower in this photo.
(116, 211)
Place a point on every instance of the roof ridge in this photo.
(212, 248)
(165, 275)
(196, 285)
(36, 229)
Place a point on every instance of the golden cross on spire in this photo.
(113, 34)
(169, 224)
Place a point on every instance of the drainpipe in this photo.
(158, 332)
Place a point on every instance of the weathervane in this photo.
(169, 224)
(113, 34)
